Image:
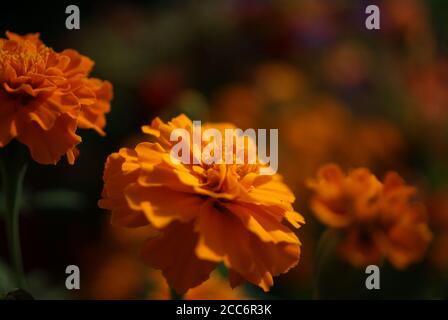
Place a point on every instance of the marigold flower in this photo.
(45, 96)
(378, 219)
(202, 214)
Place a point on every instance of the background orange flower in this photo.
(378, 219)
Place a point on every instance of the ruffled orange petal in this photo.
(162, 205)
(224, 238)
(266, 227)
(113, 197)
(33, 37)
(407, 243)
(272, 192)
(93, 115)
(174, 253)
(47, 146)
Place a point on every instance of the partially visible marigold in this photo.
(379, 220)
(113, 271)
(117, 274)
(215, 288)
(45, 96)
(114, 276)
(204, 214)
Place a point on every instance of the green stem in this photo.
(12, 180)
(325, 248)
(174, 295)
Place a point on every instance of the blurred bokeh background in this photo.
(336, 91)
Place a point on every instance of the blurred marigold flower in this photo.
(378, 219)
(346, 65)
(428, 83)
(215, 288)
(45, 96)
(202, 214)
(114, 276)
(279, 82)
(408, 22)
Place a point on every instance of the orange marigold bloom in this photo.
(45, 96)
(378, 219)
(202, 214)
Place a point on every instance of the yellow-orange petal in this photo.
(331, 213)
(266, 227)
(272, 192)
(162, 205)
